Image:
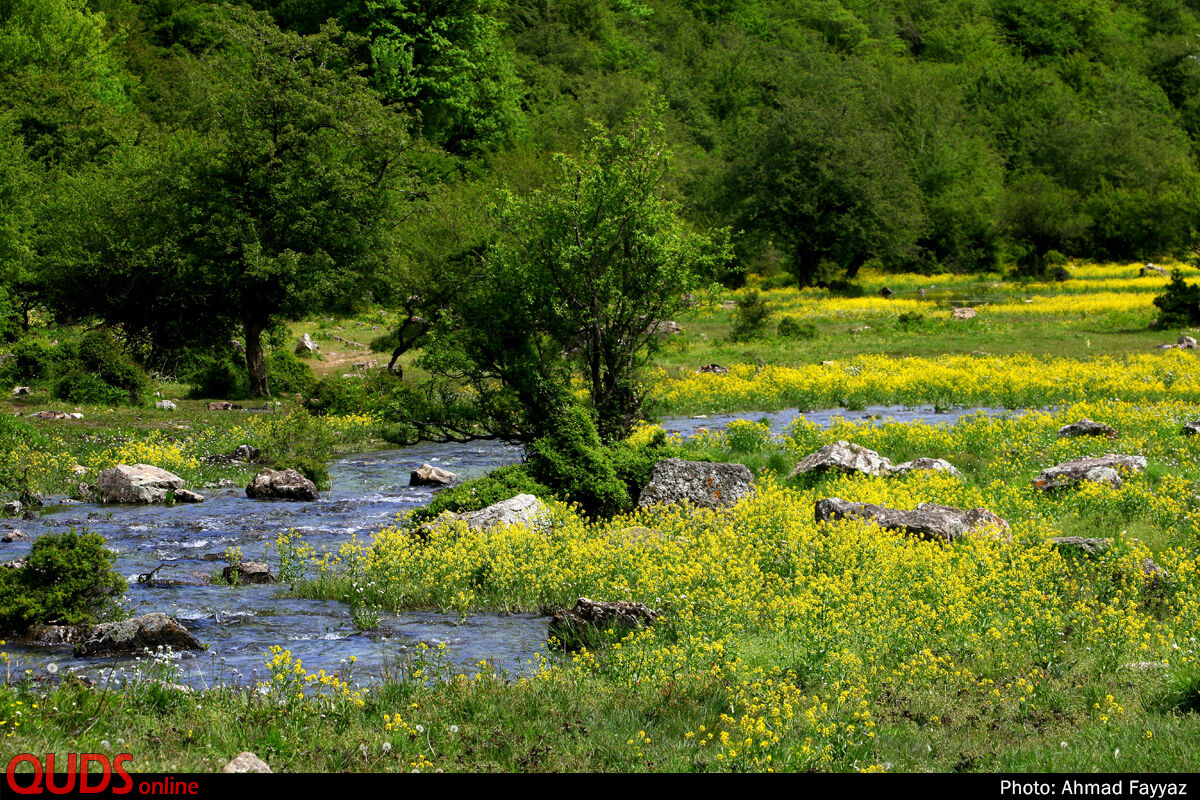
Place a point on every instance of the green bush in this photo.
(14, 432)
(300, 442)
(339, 396)
(571, 460)
(67, 579)
(216, 376)
(84, 387)
(498, 485)
(32, 360)
(1179, 305)
(790, 328)
(314, 469)
(287, 374)
(751, 316)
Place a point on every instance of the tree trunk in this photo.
(393, 365)
(256, 362)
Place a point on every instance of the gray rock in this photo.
(524, 509)
(665, 328)
(429, 475)
(700, 483)
(589, 617)
(886, 292)
(285, 484)
(1101, 469)
(13, 536)
(1086, 427)
(246, 762)
(21, 391)
(928, 520)
(306, 345)
(712, 369)
(936, 464)
(1151, 269)
(962, 313)
(845, 457)
(1186, 343)
(57, 634)
(1191, 428)
(16, 563)
(165, 405)
(12, 508)
(140, 483)
(188, 496)
(134, 635)
(248, 572)
(1082, 545)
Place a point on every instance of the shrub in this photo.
(85, 387)
(571, 460)
(287, 374)
(339, 396)
(32, 360)
(498, 485)
(216, 376)
(314, 469)
(1179, 305)
(791, 328)
(67, 579)
(751, 316)
(300, 442)
(100, 353)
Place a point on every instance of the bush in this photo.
(216, 376)
(314, 469)
(751, 317)
(791, 328)
(14, 432)
(100, 353)
(498, 485)
(84, 387)
(339, 396)
(67, 579)
(1179, 305)
(287, 374)
(571, 460)
(300, 442)
(32, 360)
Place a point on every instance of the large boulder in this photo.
(524, 509)
(307, 345)
(429, 475)
(140, 483)
(1101, 469)
(846, 457)
(132, 636)
(248, 572)
(701, 483)
(584, 623)
(928, 520)
(923, 463)
(287, 484)
(1086, 427)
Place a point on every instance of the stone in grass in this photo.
(287, 484)
(1101, 469)
(429, 475)
(1086, 427)
(586, 623)
(928, 520)
(843, 456)
(1191, 428)
(246, 762)
(928, 464)
(248, 572)
(699, 483)
(132, 636)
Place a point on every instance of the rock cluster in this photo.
(1086, 427)
(846, 457)
(429, 475)
(590, 617)
(928, 520)
(1100, 469)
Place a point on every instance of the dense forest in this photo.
(177, 172)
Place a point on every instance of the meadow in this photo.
(783, 644)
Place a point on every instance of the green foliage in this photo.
(571, 461)
(496, 486)
(31, 359)
(67, 578)
(791, 328)
(215, 375)
(1179, 305)
(315, 469)
(751, 316)
(288, 374)
(300, 442)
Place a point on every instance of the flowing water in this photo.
(368, 492)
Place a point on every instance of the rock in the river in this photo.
(524, 509)
(246, 762)
(16, 563)
(923, 463)
(928, 520)
(429, 475)
(134, 635)
(963, 313)
(12, 508)
(1086, 427)
(165, 405)
(584, 624)
(846, 457)
(285, 484)
(1191, 428)
(248, 572)
(140, 483)
(1102, 469)
(13, 536)
(306, 345)
(701, 483)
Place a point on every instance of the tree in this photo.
(579, 275)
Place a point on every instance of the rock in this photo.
(57, 634)
(583, 623)
(700, 483)
(306, 345)
(165, 405)
(1151, 269)
(928, 521)
(1081, 544)
(242, 453)
(1166, 346)
(12, 508)
(13, 536)
(923, 463)
(140, 483)
(248, 572)
(1191, 428)
(524, 509)
(224, 406)
(1086, 427)
(286, 484)
(665, 328)
(711, 369)
(1186, 343)
(188, 496)
(21, 391)
(845, 457)
(246, 762)
(53, 415)
(134, 635)
(16, 563)
(429, 475)
(79, 470)
(860, 329)
(886, 292)
(226, 483)
(962, 313)
(1103, 469)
